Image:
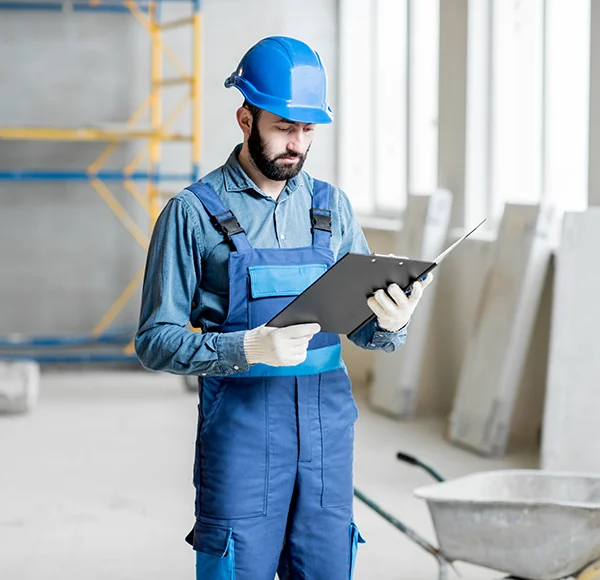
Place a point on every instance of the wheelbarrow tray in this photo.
(532, 524)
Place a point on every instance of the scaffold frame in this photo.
(148, 14)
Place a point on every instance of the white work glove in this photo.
(394, 313)
(279, 347)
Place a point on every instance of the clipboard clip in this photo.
(320, 219)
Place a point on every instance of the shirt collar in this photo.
(236, 179)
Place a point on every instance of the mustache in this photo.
(289, 154)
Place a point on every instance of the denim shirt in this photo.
(186, 279)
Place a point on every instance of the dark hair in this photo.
(256, 112)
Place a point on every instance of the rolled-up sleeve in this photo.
(371, 336)
(173, 272)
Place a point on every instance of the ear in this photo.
(244, 119)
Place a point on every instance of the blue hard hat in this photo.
(285, 77)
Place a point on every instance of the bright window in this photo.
(388, 76)
(527, 104)
(516, 101)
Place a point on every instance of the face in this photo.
(279, 147)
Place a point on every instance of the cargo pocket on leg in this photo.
(215, 555)
(355, 539)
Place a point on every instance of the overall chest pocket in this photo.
(273, 287)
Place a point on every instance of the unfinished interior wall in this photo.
(64, 257)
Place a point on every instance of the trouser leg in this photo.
(321, 538)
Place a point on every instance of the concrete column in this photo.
(452, 104)
(594, 146)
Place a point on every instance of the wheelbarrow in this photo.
(527, 524)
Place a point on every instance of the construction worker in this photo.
(273, 465)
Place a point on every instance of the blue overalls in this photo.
(274, 448)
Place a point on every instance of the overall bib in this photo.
(274, 448)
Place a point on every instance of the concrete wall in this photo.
(64, 257)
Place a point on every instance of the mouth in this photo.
(288, 159)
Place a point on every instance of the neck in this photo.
(266, 185)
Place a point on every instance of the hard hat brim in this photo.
(297, 113)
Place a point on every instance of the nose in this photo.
(293, 148)
(295, 145)
(298, 142)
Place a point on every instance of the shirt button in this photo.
(203, 374)
(282, 237)
(236, 368)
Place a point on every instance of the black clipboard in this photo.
(338, 299)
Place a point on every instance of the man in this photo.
(273, 466)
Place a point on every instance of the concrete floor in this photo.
(96, 483)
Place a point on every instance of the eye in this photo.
(309, 129)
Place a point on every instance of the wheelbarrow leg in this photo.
(443, 570)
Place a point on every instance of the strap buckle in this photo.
(229, 226)
(320, 219)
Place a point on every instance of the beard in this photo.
(268, 166)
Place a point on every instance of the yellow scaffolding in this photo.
(147, 14)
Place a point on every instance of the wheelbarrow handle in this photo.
(412, 460)
(443, 562)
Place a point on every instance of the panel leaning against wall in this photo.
(499, 342)
(424, 235)
(570, 429)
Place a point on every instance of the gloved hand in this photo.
(395, 312)
(279, 347)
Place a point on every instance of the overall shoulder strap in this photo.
(320, 214)
(221, 217)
